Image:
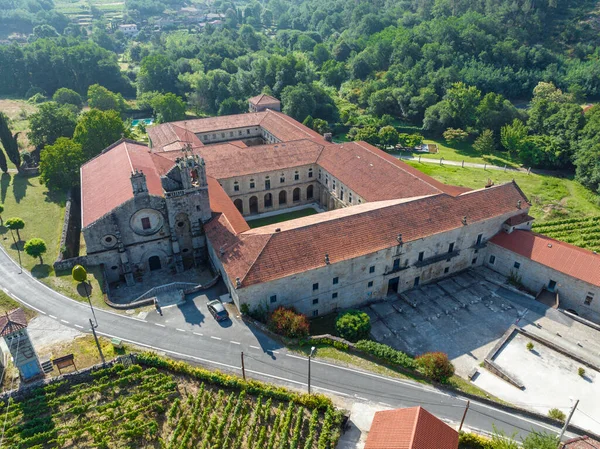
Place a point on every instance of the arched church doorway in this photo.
(296, 194)
(154, 263)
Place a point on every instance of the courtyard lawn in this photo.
(281, 217)
(551, 197)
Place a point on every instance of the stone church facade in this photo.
(183, 201)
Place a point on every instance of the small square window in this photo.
(315, 313)
(146, 223)
(310, 173)
(316, 301)
(588, 299)
(370, 284)
(222, 135)
(252, 185)
(282, 180)
(446, 270)
(334, 295)
(479, 237)
(372, 269)
(316, 286)
(517, 265)
(396, 264)
(336, 280)
(474, 261)
(273, 299)
(492, 260)
(296, 177)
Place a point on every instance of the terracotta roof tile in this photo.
(584, 442)
(519, 219)
(568, 259)
(221, 204)
(263, 99)
(105, 180)
(301, 244)
(410, 428)
(12, 321)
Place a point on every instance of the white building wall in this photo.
(535, 276)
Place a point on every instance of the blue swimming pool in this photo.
(145, 121)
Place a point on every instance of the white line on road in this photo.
(64, 321)
(215, 338)
(180, 330)
(52, 316)
(77, 325)
(385, 404)
(235, 342)
(254, 347)
(198, 333)
(360, 399)
(296, 357)
(160, 325)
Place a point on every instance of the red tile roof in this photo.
(410, 428)
(221, 205)
(584, 442)
(263, 99)
(519, 219)
(560, 256)
(105, 180)
(12, 321)
(343, 234)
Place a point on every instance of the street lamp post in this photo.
(87, 292)
(312, 352)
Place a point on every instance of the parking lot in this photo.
(464, 316)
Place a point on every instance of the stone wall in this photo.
(71, 229)
(535, 276)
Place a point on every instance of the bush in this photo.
(557, 414)
(473, 441)
(387, 353)
(581, 371)
(436, 366)
(530, 346)
(353, 325)
(245, 309)
(288, 322)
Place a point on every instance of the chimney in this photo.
(519, 204)
(328, 137)
(327, 262)
(238, 283)
(399, 238)
(464, 220)
(138, 182)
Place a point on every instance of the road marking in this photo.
(215, 338)
(360, 399)
(296, 357)
(235, 342)
(254, 347)
(52, 316)
(385, 404)
(160, 325)
(77, 325)
(180, 330)
(296, 382)
(64, 321)
(137, 319)
(198, 333)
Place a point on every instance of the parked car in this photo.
(216, 309)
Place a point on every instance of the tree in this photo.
(15, 224)
(156, 74)
(368, 134)
(44, 32)
(463, 101)
(410, 140)
(79, 273)
(512, 135)
(1, 210)
(452, 135)
(494, 111)
(353, 325)
(321, 126)
(288, 322)
(100, 97)
(50, 122)
(67, 96)
(538, 440)
(35, 247)
(587, 163)
(298, 101)
(168, 108)
(388, 136)
(97, 130)
(436, 366)
(60, 164)
(9, 141)
(539, 151)
(485, 143)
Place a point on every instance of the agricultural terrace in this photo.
(183, 407)
(582, 232)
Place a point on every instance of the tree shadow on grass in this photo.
(56, 197)
(84, 289)
(19, 187)
(41, 271)
(4, 183)
(17, 246)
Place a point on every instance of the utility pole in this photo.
(312, 351)
(243, 368)
(464, 415)
(562, 432)
(97, 342)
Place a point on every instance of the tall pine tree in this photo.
(9, 141)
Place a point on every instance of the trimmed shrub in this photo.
(557, 414)
(581, 371)
(473, 441)
(289, 323)
(530, 346)
(353, 325)
(436, 366)
(387, 353)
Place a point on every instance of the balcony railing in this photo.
(437, 258)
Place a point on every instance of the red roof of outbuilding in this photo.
(12, 321)
(263, 99)
(410, 428)
(560, 256)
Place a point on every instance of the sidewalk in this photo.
(460, 164)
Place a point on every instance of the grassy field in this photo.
(18, 111)
(552, 198)
(146, 407)
(281, 217)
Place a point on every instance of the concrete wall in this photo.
(354, 275)
(535, 276)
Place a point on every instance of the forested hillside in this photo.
(510, 75)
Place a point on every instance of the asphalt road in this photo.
(186, 333)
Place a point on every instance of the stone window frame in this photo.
(334, 295)
(315, 301)
(492, 259)
(336, 280)
(588, 299)
(273, 299)
(146, 223)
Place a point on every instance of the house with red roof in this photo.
(542, 264)
(410, 428)
(383, 227)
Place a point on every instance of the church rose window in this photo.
(145, 223)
